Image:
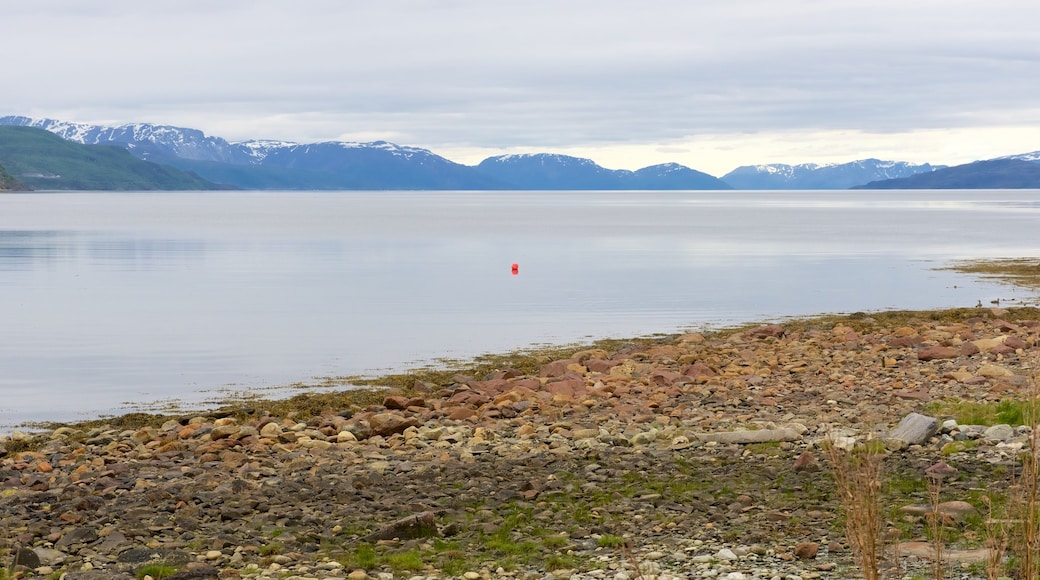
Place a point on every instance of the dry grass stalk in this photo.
(858, 475)
(998, 534)
(1024, 499)
(935, 525)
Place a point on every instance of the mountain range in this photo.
(379, 165)
(41, 160)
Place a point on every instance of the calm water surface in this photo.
(110, 299)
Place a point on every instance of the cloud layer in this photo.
(658, 80)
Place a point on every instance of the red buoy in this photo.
(516, 268)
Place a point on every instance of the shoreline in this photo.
(611, 461)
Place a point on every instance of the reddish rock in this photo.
(390, 423)
(557, 368)
(766, 331)
(491, 387)
(968, 349)
(938, 352)
(806, 550)
(507, 374)
(395, 402)
(526, 383)
(698, 370)
(459, 413)
(905, 341)
(1015, 343)
(1002, 349)
(469, 398)
(805, 461)
(598, 365)
(664, 378)
(1006, 326)
(566, 388)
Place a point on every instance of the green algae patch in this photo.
(1024, 272)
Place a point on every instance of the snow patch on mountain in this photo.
(1033, 156)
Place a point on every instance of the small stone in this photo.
(213, 555)
(357, 575)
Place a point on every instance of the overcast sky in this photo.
(711, 84)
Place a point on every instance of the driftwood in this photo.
(421, 525)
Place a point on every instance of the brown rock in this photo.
(566, 388)
(969, 348)
(418, 526)
(938, 352)
(806, 550)
(390, 423)
(396, 402)
(805, 461)
(698, 370)
(766, 331)
(555, 369)
(1015, 343)
(459, 413)
(598, 365)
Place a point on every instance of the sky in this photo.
(710, 84)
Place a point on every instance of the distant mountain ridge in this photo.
(1012, 172)
(546, 171)
(272, 164)
(830, 176)
(42, 160)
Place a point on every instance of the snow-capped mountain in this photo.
(541, 171)
(1033, 157)
(144, 140)
(266, 164)
(271, 164)
(814, 176)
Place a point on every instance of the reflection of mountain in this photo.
(24, 250)
(21, 250)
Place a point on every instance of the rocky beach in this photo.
(691, 456)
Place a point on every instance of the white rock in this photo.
(998, 433)
(726, 554)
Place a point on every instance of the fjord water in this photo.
(111, 300)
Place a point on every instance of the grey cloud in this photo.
(534, 73)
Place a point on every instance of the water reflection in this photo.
(120, 297)
(22, 250)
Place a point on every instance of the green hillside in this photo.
(8, 182)
(42, 160)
